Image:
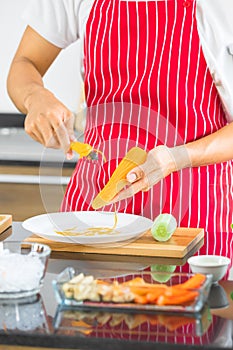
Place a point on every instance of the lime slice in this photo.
(163, 227)
(162, 273)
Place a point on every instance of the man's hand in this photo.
(48, 121)
(161, 162)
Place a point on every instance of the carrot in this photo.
(155, 286)
(171, 292)
(174, 291)
(117, 181)
(138, 290)
(162, 294)
(142, 290)
(177, 300)
(103, 282)
(152, 297)
(140, 299)
(194, 282)
(136, 281)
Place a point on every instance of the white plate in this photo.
(128, 227)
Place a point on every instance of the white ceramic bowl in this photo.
(210, 264)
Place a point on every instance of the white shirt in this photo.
(62, 22)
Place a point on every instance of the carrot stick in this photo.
(103, 282)
(136, 281)
(143, 290)
(138, 290)
(174, 291)
(152, 297)
(139, 299)
(178, 300)
(194, 282)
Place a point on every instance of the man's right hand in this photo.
(48, 121)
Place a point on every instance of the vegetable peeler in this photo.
(84, 150)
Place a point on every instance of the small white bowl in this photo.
(210, 264)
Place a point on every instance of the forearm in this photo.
(212, 149)
(23, 80)
(48, 120)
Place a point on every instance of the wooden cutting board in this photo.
(179, 245)
(5, 222)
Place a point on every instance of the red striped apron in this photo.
(147, 83)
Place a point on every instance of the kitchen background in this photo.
(32, 179)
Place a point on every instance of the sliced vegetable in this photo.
(193, 282)
(183, 298)
(153, 296)
(173, 291)
(134, 291)
(141, 299)
(163, 227)
(148, 289)
(117, 182)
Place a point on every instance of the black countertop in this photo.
(39, 322)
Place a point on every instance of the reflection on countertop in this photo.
(25, 315)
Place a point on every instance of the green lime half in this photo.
(162, 273)
(163, 227)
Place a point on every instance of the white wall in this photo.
(63, 78)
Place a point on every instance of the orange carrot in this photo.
(139, 299)
(143, 290)
(194, 282)
(152, 297)
(136, 281)
(178, 300)
(103, 282)
(138, 290)
(174, 291)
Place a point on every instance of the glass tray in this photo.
(174, 278)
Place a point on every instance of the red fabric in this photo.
(147, 83)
